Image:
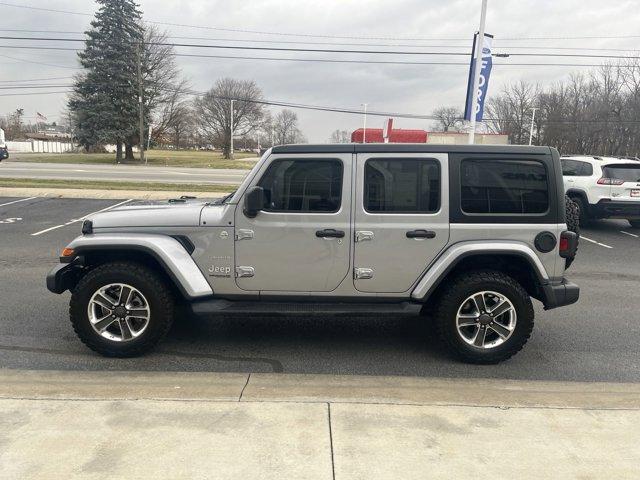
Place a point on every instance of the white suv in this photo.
(603, 187)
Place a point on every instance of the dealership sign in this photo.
(485, 72)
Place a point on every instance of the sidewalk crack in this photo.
(245, 386)
(333, 466)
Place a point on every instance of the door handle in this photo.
(330, 233)
(421, 234)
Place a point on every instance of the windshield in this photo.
(628, 173)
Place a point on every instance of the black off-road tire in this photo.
(458, 291)
(148, 282)
(573, 224)
(583, 212)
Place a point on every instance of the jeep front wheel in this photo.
(121, 309)
(484, 317)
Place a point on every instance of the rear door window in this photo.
(503, 186)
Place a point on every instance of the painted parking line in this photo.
(79, 219)
(630, 234)
(582, 237)
(16, 201)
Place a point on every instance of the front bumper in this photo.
(561, 294)
(63, 277)
(611, 209)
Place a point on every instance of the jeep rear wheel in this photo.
(484, 317)
(121, 309)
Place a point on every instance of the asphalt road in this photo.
(594, 340)
(138, 173)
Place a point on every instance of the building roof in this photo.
(407, 148)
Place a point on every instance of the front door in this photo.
(401, 218)
(300, 241)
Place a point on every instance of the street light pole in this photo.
(141, 106)
(476, 73)
(231, 126)
(533, 116)
(364, 129)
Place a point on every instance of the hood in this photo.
(176, 213)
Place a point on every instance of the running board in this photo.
(217, 305)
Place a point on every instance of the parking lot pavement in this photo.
(593, 340)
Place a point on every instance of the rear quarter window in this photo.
(516, 187)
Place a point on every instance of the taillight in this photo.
(564, 244)
(567, 244)
(610, 181)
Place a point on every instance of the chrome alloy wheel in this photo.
(486, 319)
(118, 312)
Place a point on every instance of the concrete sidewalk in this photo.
(227, 426)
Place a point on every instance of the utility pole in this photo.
(533, 116)
(231, 127)
(364, 129)
(140, 105)
(476, 73)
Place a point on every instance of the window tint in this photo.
(626, 172)
(585, 170)
(575, 168)
(569, 168)
(402, 186)
(303, 186)
(503, 186)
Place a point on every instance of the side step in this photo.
(218, 305)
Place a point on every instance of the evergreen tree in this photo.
(105, 98)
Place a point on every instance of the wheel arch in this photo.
(577, 193)
(517, 260)
(162, 253)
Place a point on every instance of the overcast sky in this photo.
(401, 88)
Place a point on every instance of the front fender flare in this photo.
(167, 251)
(454, 254)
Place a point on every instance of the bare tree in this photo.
(510, 111)
(213, 110)
(285, 128)
(448, 118)
(340, 136)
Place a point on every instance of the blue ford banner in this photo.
(485, 72)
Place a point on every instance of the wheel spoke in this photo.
(104, 302)
(500, 329)
(102, 324)
(478, 341)
(479, 301)
(139, 313)
(501, 308)
(125, 294)
(125, 329)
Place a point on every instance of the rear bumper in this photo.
(610, 209)
(63, 277)
(561, 294)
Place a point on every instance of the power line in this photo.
(311, 50)
(259, 32)
(331, 60)
(39, 63)
(35, 79)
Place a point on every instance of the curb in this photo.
(295, 388)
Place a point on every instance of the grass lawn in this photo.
(100, 185)
(169, 158)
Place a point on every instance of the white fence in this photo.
(40, 146)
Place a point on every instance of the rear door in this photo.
(401, 220)
(624, 179)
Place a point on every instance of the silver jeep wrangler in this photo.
(464, 235)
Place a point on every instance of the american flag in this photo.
(40, 117)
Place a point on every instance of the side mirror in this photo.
(253, 201)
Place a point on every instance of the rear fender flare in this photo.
(448, 260)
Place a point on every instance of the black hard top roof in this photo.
(408, 148)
